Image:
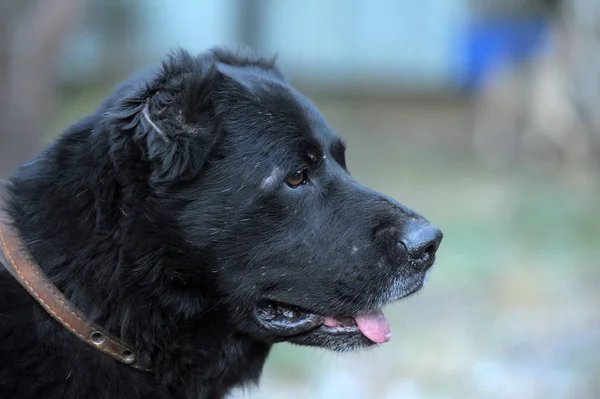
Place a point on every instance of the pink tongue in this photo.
(374, 326)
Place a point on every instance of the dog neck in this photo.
(103, 242)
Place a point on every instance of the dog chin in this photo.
(403, 287)
(337, 342)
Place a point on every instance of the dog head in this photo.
(271, 222)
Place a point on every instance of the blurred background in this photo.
(480, 114)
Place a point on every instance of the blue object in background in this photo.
(486, 42)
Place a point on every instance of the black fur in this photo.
(165, 218)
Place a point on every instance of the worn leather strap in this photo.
(20, 265)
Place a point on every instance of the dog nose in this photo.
(421, 242)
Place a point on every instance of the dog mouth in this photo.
(288, 321)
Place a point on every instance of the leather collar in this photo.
(21, 266)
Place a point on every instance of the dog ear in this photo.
(171, 116)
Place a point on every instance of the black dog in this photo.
(203, 213)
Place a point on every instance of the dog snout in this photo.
(421, 241)
(418, 241)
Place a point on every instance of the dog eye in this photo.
(296, 178)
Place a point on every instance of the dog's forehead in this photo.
(275, 94)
